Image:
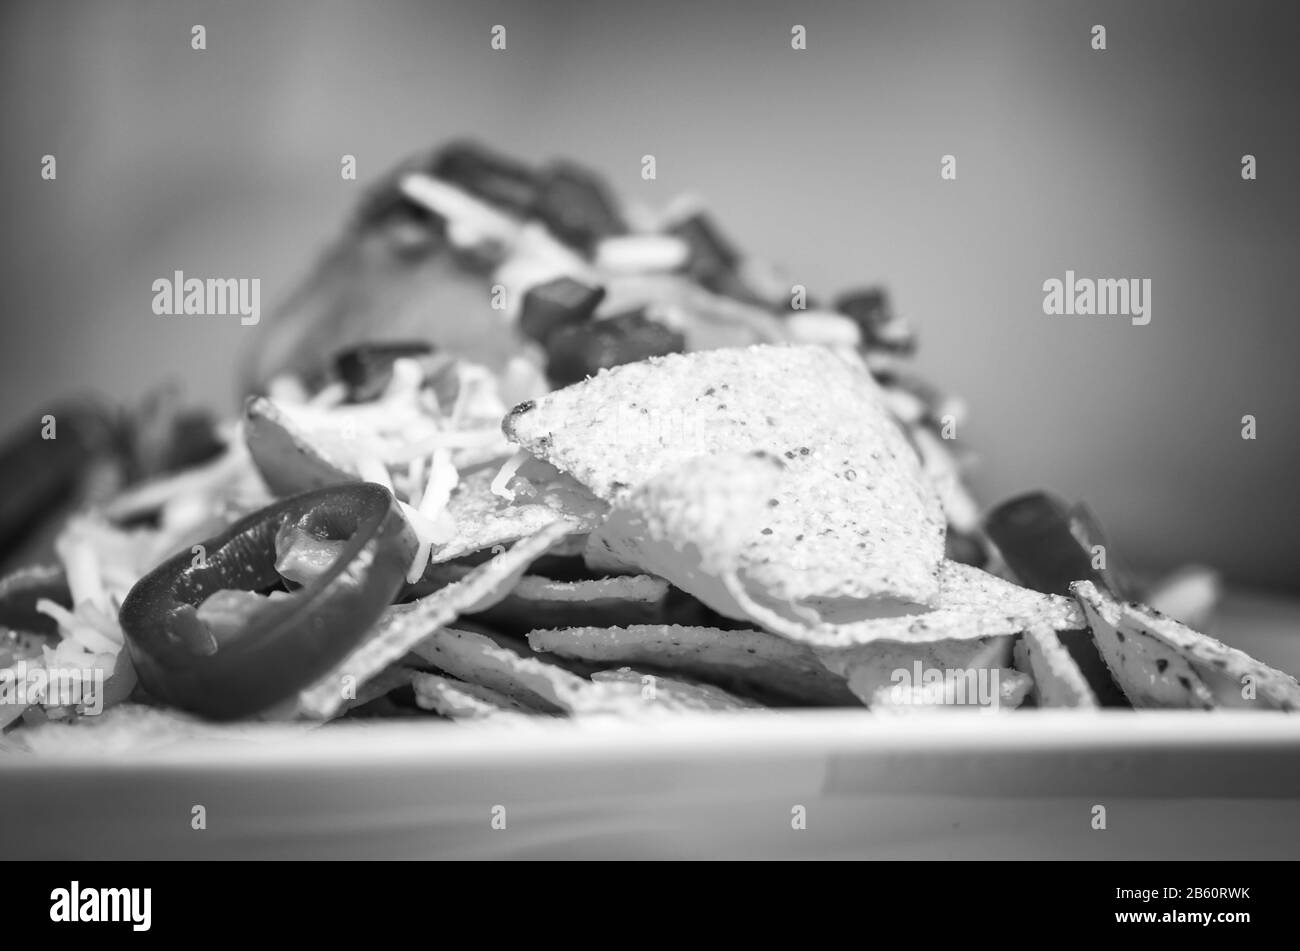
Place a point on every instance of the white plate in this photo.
(946, 785)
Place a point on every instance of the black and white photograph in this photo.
(704, 431)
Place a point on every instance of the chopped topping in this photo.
(642, 253)
(1049, 545)
(490, 176)
(367, 369)
(471, 223)
(576, 353)
(577, 207)
(556, 304)
(874, 315)
(711, 255)
(824, 327)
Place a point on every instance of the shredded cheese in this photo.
(73, 628)
(415, 481)
(405, 383)
(330, 396)
(428, 532)
(501, 484)
(443, 479)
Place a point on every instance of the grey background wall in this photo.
(1123, 163)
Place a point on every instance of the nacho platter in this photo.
(676, 493)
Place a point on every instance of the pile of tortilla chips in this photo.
(753, 530)
(728, 529)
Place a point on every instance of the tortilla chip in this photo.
(670, 694)
(541, 602)
(852, 513)
(972, 604)
(286, 455)
(1231, 677)
(873, 670)
(405, 625)
(691, 525)
(1058, 681)
(458, 700)
(685, 526)
(484, 519)
(1149, 671)
(533, 683)
(748, 662)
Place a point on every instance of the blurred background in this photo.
(1122, 163)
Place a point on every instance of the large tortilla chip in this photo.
(691, 525)
(1058, 681)
(687, 526)
(1160, 662)
(747, 662)
(405, 625)
(852, 527)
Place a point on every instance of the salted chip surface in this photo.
(1058, 681)
(670, 694)
(1150, 672)
(459, 700)
(852, 527)
(542, 602)
(972, 604)
(484, 519)
(532, 683)
(746, 661)
(1223, 675)
(403, 626)
(691, 526)
(1226, 670)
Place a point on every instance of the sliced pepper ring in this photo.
(289, 642)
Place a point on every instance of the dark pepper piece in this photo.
(501, 181)
(38, 474)
(577, 207)
(872, 311)
(713, 257)
(288, 643)
(20, 591)
(367, 368)
(556, 304)
(1048, 545)
(577, 352)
